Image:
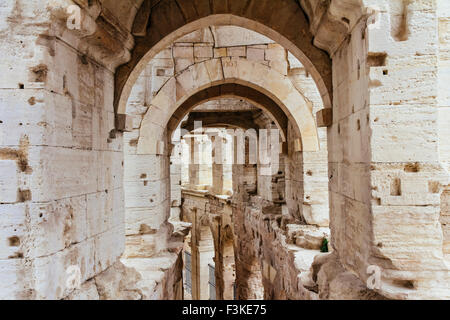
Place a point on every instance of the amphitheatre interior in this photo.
(225, 149)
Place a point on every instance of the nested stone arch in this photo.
(226, 77)
(159, 24)
(233, 90)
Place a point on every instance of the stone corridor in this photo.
(225, 149)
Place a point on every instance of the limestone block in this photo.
(145, 168)
(275, 52)
(352, 179)
(138, 92)
(110, 170)
(109, 247)
(203, 51)
(215, 71)
(220, 52)
(104, 211)
(354, 130)
(147, 245)
(316, 214)
(393, 227)
(280, 66)
(165, 100)
(45, 118)
(57, 225)
(200, 76)
(150, 195)
(119, 283)
(51, 179)
(152, 217)
(12, 231)
(236, 51)
(255, 54)
(56, 267)
(310, 237)
(229, 36)
(401, 142)
(183, 63)
(13, 280)
(183, 51)
(9, 181)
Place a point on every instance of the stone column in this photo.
(217, 165)
(194, 166)
(199, 163)
(228, 164)
(202, 251)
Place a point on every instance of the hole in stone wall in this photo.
(24, 195)
(385, 72)
(404, 283)
(83, 59)
(358, 125)
(400, 16)
(14, 241)
(396, 187)
(376, 59)
(21, 86)
(17, 255)
(412, 167)
(39, 73)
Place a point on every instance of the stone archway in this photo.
(157, 25)
(226, 77)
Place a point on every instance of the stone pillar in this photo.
(175, 176)
(194, 167)
(217, 165)
(185, 160)
(228, 164)
(61, 188)
(383, 154)
(249, 281)
(229, 273)
(244, 175)
(199, 164)
(202, 251)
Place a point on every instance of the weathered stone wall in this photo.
(68, 197)
(443, 12)
(62, 196)
(383, 152)
(307, 172)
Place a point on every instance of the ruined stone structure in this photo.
(109, 187)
